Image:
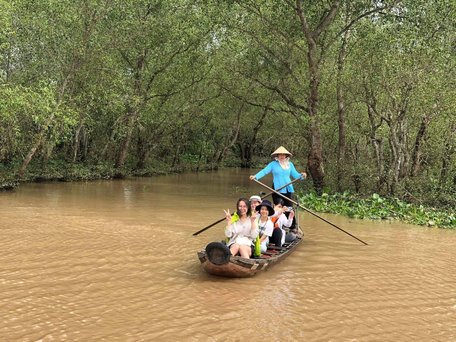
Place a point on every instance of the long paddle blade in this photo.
(207, 227)
(309, 211)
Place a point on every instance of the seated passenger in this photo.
(265, 225)
(280, 220)
(242, 229)
(254, 201)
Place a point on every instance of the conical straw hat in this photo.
(281, 150)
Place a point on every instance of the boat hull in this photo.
(238, 267)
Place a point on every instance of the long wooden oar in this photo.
(213, 224)
(309, 211)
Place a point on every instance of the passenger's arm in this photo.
(253, 228)
(230, 230)
(289, 221)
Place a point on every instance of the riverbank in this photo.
(62, 172)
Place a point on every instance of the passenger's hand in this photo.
(253, 220)
(252, 177)
(227, 216)
(304, 175)
(291, 214)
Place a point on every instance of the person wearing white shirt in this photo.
(265, 225)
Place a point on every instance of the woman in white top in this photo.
(265, 225)
(242, 229)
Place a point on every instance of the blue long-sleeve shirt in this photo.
(280, 176)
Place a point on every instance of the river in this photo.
(116, 261)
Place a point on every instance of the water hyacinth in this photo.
(376, 207)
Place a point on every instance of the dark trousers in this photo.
(276, 237)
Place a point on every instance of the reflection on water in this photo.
(116, 260)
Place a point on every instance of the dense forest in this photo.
(362, 92)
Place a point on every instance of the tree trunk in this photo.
(356, 178)
(84, 144)
(395, 162)
(249, 146)
(43, 131)
(176, 158)
(315, 157)
(377, 145)
(447, 156)
(123, 152)
(246, 155)
(133, 109)
(398, 141)
(200, 156)
(142, 152)
(233, 138)
(31, 153)
(76, 144)
(341, 147)
(416, 153)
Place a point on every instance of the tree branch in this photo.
(327, 19)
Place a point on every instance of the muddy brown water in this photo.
(116, 260)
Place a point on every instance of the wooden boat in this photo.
(216, 259)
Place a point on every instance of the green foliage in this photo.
(185, 84)
(25, 112)
(376, 207)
